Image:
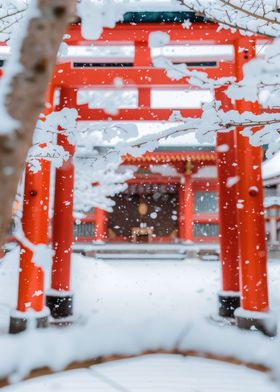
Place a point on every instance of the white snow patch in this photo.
(106, 292)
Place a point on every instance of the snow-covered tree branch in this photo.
(23, 89)
(11, 13)
(248, 16)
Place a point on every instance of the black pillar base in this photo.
(61, 306)
(20, 324)
(228, 304)
(263, 322)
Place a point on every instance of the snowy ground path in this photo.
(136, 290)
(127, 307)
(154, 373)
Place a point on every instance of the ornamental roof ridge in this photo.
(169, 157)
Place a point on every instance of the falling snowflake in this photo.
(186, 24)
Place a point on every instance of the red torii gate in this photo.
(243, 249)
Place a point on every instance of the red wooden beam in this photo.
(139, 114)
(198, 33)
(67, 76)
(206, 218)
(157, 179)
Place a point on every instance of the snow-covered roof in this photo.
(271, 167)
(270, 201)
(207, 171)
(186, 140)
(104, 134)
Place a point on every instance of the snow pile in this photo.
(271, 201)
(155, 373)
(164, 170)
(57, 348)
(124, 308)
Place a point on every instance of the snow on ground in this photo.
(142, 289)
(155, 373)
(181, 290)
(145, 290)
(127, 307)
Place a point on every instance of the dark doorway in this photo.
(145, 213)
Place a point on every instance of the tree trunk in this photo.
(25, 99)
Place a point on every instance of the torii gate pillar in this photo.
(229, 296)
(254, 311)
(35, 225)
(60, 299)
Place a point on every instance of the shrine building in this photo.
(171, 198)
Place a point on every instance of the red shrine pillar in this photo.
(35, 225)
(229, 296)
(254, 291)
(60, 298)
(101, 218)
(186, 207)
